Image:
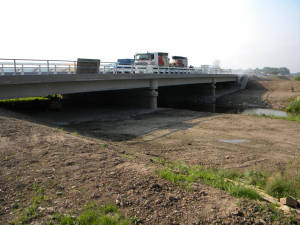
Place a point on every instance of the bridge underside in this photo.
(146, 86)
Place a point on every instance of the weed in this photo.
(294, 106)
(290, 99)
(135, 220)
(29, 214)
(6, 157)
(24, 99)
(297, 78)
(37, 199)
(53, 182)
(103, 145)
(94, 214)
(37, 188)
(75, 134)
(129, 156)
(184, 175)
(283, 183)
(58, 129)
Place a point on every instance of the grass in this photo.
(24, 99)
(184, 176)
(93, 214)
(129, 156)
(291, 117)
(297, 78)
(58, 129)
(294, 106)
(29, 214)
(282, 183)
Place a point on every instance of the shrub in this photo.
(297, 78)
(294, 106)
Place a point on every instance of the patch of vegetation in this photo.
(294, 106)
(94, 214)
(58, 129)
(75, 134)
(283, 183)
(29, 214)
(297, 78)
(184, 176)
(37, 188)
(290, 99)
(24, 99)
(103, 145)
(129, 156)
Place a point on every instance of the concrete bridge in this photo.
(143, 86)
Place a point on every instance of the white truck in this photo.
(159, 62)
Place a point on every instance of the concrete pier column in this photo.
(213, 86)
(153, 94)
(153, 99)
(213, 89)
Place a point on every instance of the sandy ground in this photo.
(110, 159)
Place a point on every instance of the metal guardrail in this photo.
(48, 67)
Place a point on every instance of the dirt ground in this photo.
(109, 158)
(264, 91)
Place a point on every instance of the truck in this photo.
(156, 62)
(179, 61)
(152, 59)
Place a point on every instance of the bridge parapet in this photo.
(54, 67)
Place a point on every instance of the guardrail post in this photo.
(40, 70)
(22, 71)
(123, 69)
(69, 69)
(47, 67)
(55, 72)
(74, 67)
(131, 69)
(15, 67)
(2, 70)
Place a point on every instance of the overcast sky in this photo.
(241, 33)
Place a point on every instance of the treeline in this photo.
(270, 70)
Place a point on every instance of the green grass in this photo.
(24, 99)
(184, 176)
(294, 106)
(93, 214)
(282, 183)
(29, 214)
(75, 134)
(297, 78)
(129, 156)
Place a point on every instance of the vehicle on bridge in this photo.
(179, 61)
(159, 62)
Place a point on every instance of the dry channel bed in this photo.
(112, 161)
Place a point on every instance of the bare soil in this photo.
(110, 159)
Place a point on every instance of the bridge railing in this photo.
(36, 67)
(49, 67)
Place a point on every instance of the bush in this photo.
(297, 78)
(294, 106)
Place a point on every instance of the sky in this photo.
(241, 34)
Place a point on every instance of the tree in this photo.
(217, 63)
(284, 70)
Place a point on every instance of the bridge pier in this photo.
(153, 93)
